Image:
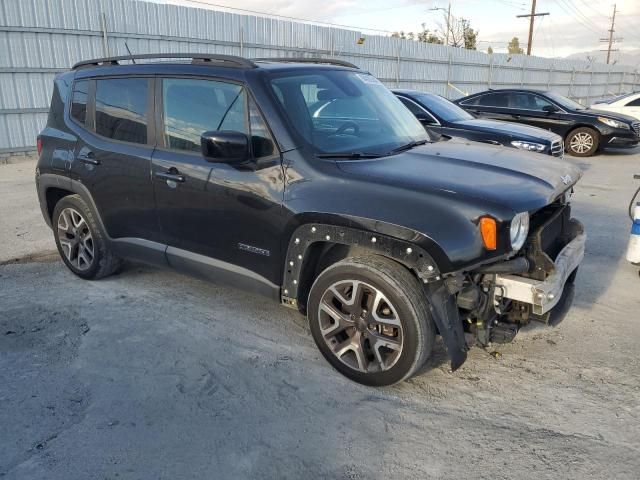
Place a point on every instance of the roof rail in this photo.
(328, 61)
(223, 60)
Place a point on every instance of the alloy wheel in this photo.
(76, 240)
(581, 142)
(360, 326)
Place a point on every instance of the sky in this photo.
(573, 26)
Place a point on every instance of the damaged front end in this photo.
(495, 300)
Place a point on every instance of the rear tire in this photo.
(80, 240)
(370, 319)
(582, 142)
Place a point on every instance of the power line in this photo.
(571, 11)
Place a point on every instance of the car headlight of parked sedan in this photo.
(614, 123)
(519, 230)
(531, 146)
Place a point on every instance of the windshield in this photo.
(615, 99)
(564, 102)
(443, 108)
(339, 111)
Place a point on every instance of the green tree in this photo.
(425, 36)
(514, 46)
(490, 50)
(469, 35)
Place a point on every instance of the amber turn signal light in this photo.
(489, 234)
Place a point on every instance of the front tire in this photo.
(81, 243)
(582, 142)
(370, 319)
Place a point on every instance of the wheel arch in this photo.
(52, 188)
(317, 242)
(582, 125)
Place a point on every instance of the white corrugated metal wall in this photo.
(39, 38)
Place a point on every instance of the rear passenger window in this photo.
(494, 100)
(634, 103)
(192, 107)
(489, 100)
(79, 101)
(121, 109)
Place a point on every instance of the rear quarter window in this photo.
(79, 101)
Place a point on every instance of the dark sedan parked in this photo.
(584, 130)
(440, 117)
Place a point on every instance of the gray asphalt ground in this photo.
(154, 375)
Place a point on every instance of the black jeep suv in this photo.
(215, 166)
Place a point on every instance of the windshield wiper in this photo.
(408, 146)
(350, 155)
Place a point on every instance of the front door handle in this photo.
(171, 176)
(87, 156)
(517, 117)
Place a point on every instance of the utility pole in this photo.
(448, 10)
(449, 23)
(531, 17)
(610, 40)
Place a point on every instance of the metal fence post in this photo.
(333, 44)
(606, 87)
(398, 65)
(573, 73)
(241, 41)
(589, 88)
(446, 92)
(621, 82)
(524, 64)
(490, 72)
(551, 65)
(105, 40)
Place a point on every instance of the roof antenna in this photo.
(127, 47)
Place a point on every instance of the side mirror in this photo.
(550, 108)
(424, 118)
(224, 146)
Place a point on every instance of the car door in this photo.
(224, 216)
(492, 105)
(535, 110)
(112, 158)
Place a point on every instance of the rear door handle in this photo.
(88, 158)
(171, 175)
(517, 117)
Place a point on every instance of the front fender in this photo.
(406, 251)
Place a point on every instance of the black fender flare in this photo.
(442, 303)
(46, 181)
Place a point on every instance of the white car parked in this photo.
(628, 104)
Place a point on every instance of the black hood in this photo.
(517, 131)
(506, 177)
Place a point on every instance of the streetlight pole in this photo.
(448, 10)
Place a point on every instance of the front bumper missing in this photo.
(543, 295)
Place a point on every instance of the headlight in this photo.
(532, 147)
(614, 123)
(519, 230)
